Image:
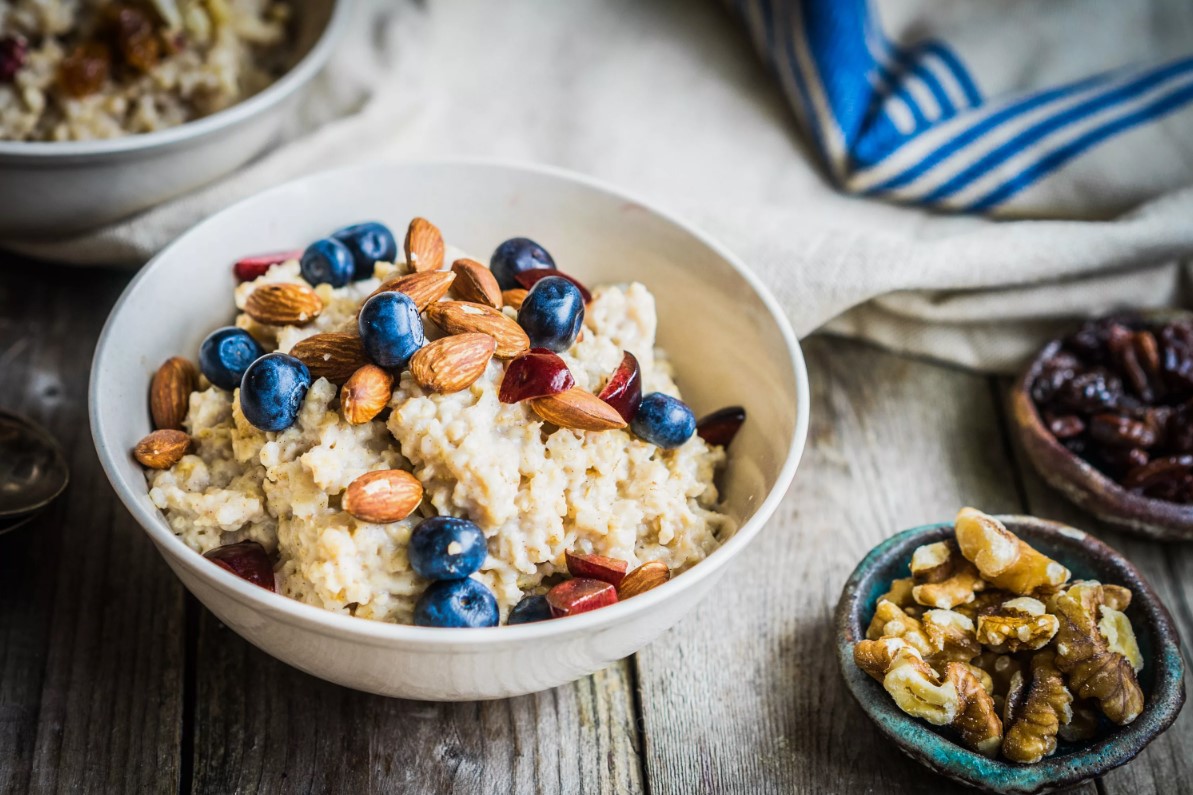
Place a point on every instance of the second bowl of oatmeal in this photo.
(537, 482)
(112, 106)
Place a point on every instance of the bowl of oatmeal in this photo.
(110, 106)
(409, 545)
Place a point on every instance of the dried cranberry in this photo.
(722, 425)
(13, 52)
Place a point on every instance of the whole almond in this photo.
(366, 392)
(424, 246)
(514, 298)
(649, 575)
(335, 355)
(463, 317)
(476, 283)
(422, 288)
(450, 364)
(162, 449)
(578, 409)
(383, 496)
(283, 304)
(170, 392)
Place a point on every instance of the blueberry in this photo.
(226, 354)
(370, 242)
(446, 548)
(456, 603)
(328, 261)
(552, 314)
(391, 329)
(529, 610)
(664, 421)
(516, 255)
(272, 391)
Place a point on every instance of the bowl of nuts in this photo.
(1017, 655)
(1105, 415)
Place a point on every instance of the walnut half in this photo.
(942, 577)
(1035, 717)
(1005, 560)
(1018, 624)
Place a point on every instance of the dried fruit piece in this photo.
(450, 364)
(1035, 718)
(596, 567)
(162, 449)
(579, 410)
(366, 392)
(463, 317)
(250, 268)
(170, 392)
(283, 304)
(536, 373)
(247, 560)
(514, 298)
(135, 36)
(1094, 670)
(649, 575)
(580, 595)
(423, 246)
(943, 577)
(335, 355)
(530, 278)
(720, 427)
(85, 70)
(623, 390)
(13, 52)
(476, 283)
(1017, 625)
(423, 289)
(1005, 560)
(383, 496)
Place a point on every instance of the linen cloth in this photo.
(666, 98)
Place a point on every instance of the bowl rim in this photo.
(274, 94)
(1080, 481)
(432, 639)
(942, 755)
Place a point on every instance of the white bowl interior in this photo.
(725, 338)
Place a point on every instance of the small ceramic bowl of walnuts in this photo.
(1009, 653)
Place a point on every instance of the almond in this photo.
(450, 364)
(649, 575)
(579, 409)
(424, 246)
(514, 298)
(170, 392)
(476, 283)
(366, 392)
(335, 355)
(383, 496)
(283, 304)
(162, 449)
(462, 317)
(422, 288)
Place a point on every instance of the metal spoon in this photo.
(33, 470)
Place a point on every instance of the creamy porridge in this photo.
(546, 498)
(89, 69)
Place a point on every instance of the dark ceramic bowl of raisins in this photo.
(1105, 415)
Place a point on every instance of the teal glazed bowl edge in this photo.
(1162, 678)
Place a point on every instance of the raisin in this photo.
(13, 52)
(135, 37)
(86, 69)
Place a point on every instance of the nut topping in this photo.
(283, 304)
(383, 496)
(162, 449)
(450, 364)
(423, 246)
(170, 392)
(649, 575)
(463, 317)
(365, 394)
(476, 283)
(335, 355)
(423, 289)
(579, 410)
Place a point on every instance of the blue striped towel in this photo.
(1071, 108)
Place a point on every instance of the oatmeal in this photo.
(87, 69)
(486, 477)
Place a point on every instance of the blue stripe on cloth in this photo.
(797, 75)
(992, 122)
(1035, 133)
(1058, 157)
(911, 62)
(958, 70)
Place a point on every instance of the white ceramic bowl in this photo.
(730, 344)
(52, 188)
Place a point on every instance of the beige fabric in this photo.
(668, 100)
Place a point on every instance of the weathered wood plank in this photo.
(263, 726)
(1167, 764)
(745, 696)
(90, 617)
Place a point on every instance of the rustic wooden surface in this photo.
(112, 679)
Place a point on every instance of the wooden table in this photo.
(112, 678)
